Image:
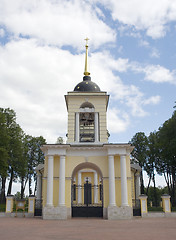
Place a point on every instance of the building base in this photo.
(55, 213)
(114, 213)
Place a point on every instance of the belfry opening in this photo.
(87, 176)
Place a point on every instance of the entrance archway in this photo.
(87, 191)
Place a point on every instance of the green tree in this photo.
(152, 159)
(11, 135)
(4, 141)
(32, 156)
(167, 154)
(155, 195)
(139, 154)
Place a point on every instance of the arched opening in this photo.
(87, 191)
(87, 105)
(87, 122)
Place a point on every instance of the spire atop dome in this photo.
(86, 73)
(87, 85)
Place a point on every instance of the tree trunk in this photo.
(142, 182)
(2, 194)
(22, 188)
(173, 188)
(155, 195)
(167, 182)
(148, 185)
(10, 182)
(30, 184)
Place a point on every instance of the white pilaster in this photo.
(77, 127)
(95, 187)
(138, 192)
(49, 201)
(62, 181)
(39, 186)
(112, 200)
(96, 127)
(79, 188)
(124, 193)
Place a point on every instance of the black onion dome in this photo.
(87, 86)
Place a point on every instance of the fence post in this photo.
(143, 200)
(9, 204)
(31, 204)
(166, 203)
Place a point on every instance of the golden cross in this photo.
(87, 39)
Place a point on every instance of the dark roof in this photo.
(87, 86)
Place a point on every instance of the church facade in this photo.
(87, 176)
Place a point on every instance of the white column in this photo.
(39, 186)
(49, 201)
(124, 193)
(77, 127)
(96, 127)
(62, 181)
(112, 200)
(138, 191)
(95, 187)
(79, 188)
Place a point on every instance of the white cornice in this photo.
(87, 148)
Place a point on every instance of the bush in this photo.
(155, 209)
(2, 207)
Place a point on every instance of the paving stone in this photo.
(87, 229)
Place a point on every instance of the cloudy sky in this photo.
(131, 55)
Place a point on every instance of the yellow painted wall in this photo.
(118, 192)
(132, 185)
(68, 193)
(117, 166)
(129, 192)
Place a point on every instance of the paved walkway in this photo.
(88, 229)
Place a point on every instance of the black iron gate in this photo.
(136, 207)
(38, 207)
(87, 200)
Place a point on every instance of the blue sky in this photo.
(131, 56)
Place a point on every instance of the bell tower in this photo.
(87, 109)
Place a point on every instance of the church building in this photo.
(87, 176)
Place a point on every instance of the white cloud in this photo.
(2, 32)
(56, 22)
(154, 73)
(152, 100)
(159, 74)
(143, 43)
(154, 53)
(118, 121)
(152, 16)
